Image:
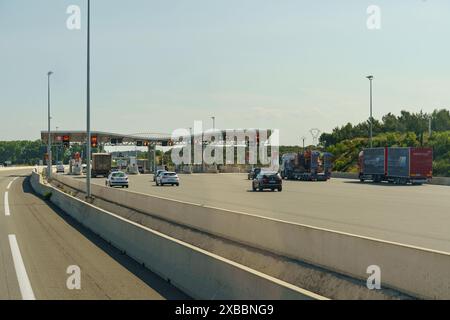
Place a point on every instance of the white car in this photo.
(167, 177)
(117, 179)
(60, 168)
(157, 174)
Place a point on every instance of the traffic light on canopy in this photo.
(94, 142)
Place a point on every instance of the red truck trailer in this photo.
(396, 165)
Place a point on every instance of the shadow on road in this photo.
(152, 280)
(382, 184)
(265, 190)
(18, 175)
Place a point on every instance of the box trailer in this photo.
(396, 165)
(101, 164)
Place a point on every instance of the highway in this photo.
(38, 243)
(415, 215)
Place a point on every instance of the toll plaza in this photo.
(101, 139)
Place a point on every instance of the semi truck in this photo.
(306, 166)
(399, 165)
(101, 164)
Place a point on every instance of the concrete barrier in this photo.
(198, 273)
(415, 271)
(442, 181)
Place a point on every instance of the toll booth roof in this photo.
(105, 138)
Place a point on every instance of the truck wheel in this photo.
(253, 188)
(280, 189)
(260, 189)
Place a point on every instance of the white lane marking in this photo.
(11, 182)
(21, 272)
(7, 212)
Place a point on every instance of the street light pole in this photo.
(49, 145)
(57, 147)
(214, 123)
(371, 118)
(88, 105)
(303, 139)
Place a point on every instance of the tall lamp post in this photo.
(88, 106)
(49, 145)
(371, 119)
(57, 147)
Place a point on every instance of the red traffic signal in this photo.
(66, 141)
(94, 142)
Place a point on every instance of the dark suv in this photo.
(267, 180)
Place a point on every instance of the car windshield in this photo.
(119, 175)
(171, 174)
(270, 175)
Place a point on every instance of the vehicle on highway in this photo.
(399, 165)
(157, 173)
(253, 173)
(117, 179)
(60, 168)
(101, 164)
(308, 165)
(167, 177)
(267, 180)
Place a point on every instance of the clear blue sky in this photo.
(160, 65)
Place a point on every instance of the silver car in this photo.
(60, 168)
(167, 178)
(157, 174)
(117, 179)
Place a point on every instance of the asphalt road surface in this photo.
(38, 243)
(415, 215)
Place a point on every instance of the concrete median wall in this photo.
(442, 181)
(415, 271)
(198, 273)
